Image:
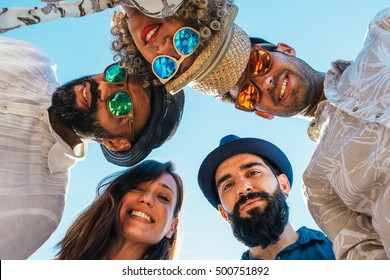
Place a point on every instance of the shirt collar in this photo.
(61, 156)
(305, 236)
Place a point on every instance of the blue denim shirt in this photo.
(311, 245)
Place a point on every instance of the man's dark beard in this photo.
(261, 228)
(82, 122)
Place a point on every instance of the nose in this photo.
(106, 90)
(165, 47)
(265, 82)
(243, 187)
(147, 198)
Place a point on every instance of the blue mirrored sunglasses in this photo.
(185, 41)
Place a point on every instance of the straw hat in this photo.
(220, 64)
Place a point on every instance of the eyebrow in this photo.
(251, 164)
(166, 187)
(242, 167)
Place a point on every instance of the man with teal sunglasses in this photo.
(44, 127)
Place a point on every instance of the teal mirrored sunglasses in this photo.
(185, 41)
(120, 104)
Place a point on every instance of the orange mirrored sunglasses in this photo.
(248, 96)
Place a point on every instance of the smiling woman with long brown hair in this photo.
(134, 217)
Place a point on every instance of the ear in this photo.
(264, 115)
(223, 213)
(117, 144)
(284, 184)
(172, 228)
(284, 48)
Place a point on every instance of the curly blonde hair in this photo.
(206, 16)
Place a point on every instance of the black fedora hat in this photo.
(165, 117)
(231, 145)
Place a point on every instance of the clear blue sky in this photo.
(320, 31)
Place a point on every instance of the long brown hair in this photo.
(90, 236)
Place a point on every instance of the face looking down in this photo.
(276, 82)
(146, 212)
(156, 37)
(251, 196)
(87, 106)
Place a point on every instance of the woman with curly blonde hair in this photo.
(173, 42)
(139, 39)
(134, 218)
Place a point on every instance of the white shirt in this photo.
(35, 162)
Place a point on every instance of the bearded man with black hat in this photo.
(44, 130)
(248, 180)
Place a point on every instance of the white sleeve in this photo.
(14, 17)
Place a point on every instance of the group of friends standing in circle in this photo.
(135, 105)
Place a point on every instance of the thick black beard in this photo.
(82, 122)
(261, 228)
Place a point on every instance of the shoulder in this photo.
(307, 234)
(23, 59)
(382, 19)
(22, 49)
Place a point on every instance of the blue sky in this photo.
(320, 31)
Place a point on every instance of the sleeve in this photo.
(13, 17)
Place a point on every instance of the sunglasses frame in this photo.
(129, 115)
(248, 81)
(178, 62)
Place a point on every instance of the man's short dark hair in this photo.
(258, 40)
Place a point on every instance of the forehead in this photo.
(168, 183)
(234, 163)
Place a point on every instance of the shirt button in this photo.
(355, 109)
(378, 115)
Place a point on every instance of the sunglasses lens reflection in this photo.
(248, 96)
(164, 66)
(186, 40)
(120, 104)
(260, 62)
(115, 74)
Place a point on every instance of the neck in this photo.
(320, 96)
(288, 237)
(68, 135)
(123, 250)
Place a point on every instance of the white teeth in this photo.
(283, 89)
(151, 32)
(84, 93)
(141, 215)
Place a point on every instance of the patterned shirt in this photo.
(311, 245)
(347, 181)
(11, 18)
(35, 162)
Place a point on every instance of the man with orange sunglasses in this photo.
(347, 181)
